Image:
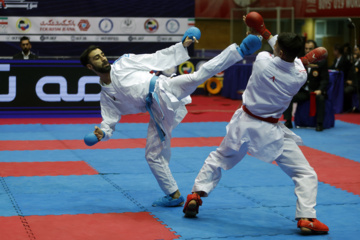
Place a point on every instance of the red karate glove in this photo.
(255, 20)
(314, 56)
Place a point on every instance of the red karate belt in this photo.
(268, 119)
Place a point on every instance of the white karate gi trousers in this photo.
(291, 161)
(158, 153)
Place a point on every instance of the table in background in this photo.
(336, 90)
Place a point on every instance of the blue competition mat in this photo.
(254, 200)
(123, 131)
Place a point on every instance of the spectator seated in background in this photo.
(317, 82)
(348, 52)
(25, 54)
(341, 63)
(352, 82)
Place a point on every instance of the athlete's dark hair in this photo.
(84, 58)
(291, 44)
(313, 42)
(339, 48)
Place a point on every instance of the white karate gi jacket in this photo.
(270, 89)
(130, 79)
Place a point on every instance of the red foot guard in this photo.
(192, 204)
(312, 226)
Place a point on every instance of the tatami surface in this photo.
(55, 187)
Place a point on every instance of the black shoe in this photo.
(355, 110)
(288, 124)
(319, 127)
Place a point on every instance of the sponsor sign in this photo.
(106, 25)
(172, 25)
(42, 84)
(23, 25)
(84, 25)
(151, 25)
(90, 29)
(186, 67)
(331, 8)
(3, 24)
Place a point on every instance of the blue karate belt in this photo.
(149, 101)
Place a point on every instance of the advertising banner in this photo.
(331, 8)
(59, 85)
(94, 29)
(66, 27)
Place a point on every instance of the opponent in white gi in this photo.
(125, 90)
(255, 129)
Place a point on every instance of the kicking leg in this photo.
(184, 85)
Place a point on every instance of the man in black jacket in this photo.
(25, 53)
(317, 82)
(341, 62)
(352, 82)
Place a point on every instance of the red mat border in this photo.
(109, 226)
(29, 169)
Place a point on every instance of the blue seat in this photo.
(302, 118)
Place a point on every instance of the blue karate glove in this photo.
(90, 139)
(249, 45)
(192, 32)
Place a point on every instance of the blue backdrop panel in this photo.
(120, 8)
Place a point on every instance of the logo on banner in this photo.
(128, 25)
(106, 25)
(84, 25)
(23, 24)
(151, 25)
(186, 67)
(63, 95)
(3, 24)
(57, 25)
(172, 26)
(10, 96)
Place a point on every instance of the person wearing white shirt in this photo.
(128, 87)
(255, 127)
(26, 53)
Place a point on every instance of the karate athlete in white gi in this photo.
(129, 88)
(254, 128)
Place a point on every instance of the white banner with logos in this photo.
(94, 29)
